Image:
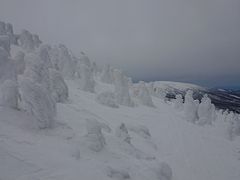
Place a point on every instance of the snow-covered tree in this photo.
(26, 41)
(37, 101)
(178, 103)
(65, 63)
(94, 136)
(87, 82)
(7, 70)
(150, 87)
(54, 57)
(190, 107)
(2, 28)
(107, 99)
(36, 69)
(19, 62)
(94, 68)
(36, 40)
(9, 28)
(58, 86)
(9, 94)
(122, 133)
(233, 121)
(107, 74)
(11, 35)
(206, 111)
(43, 53)
(84, 59)
(5, 43)
(121, 89)
(144, 95)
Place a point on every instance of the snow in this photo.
(192, 152)
(176, 85)
(84, 137)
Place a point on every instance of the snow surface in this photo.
(192, 151)
(176, 85)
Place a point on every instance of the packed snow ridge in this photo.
(65, 117)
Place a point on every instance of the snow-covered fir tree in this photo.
(58, 86)
(87, 82)
(190, 107)
(107, 74)
(121, 89)
(144, 95)
(178, 102)
(36, 100)
(206, 111)
(94, 137)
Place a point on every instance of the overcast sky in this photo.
(183, 40)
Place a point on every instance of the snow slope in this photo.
(176, 85)
(193, 152)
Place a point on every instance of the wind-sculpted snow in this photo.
(107, 99)
(122, 89)
(86, 80)
(94, 137)
(58, 86)
(144, 95)
(107, 74)
(122, 133)
(206, 111)
(178, 102)
(190, 107)
(37, 70)
(37, 101)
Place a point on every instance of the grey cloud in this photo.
(191, 40)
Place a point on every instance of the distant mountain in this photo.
(222, 98)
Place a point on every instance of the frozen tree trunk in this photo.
(58, 86)
(37, 101)
(190, 107)
(9, 94)
(87, 82)
(121, 89)
(144, 95)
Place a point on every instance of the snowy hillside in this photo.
(63, 117)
